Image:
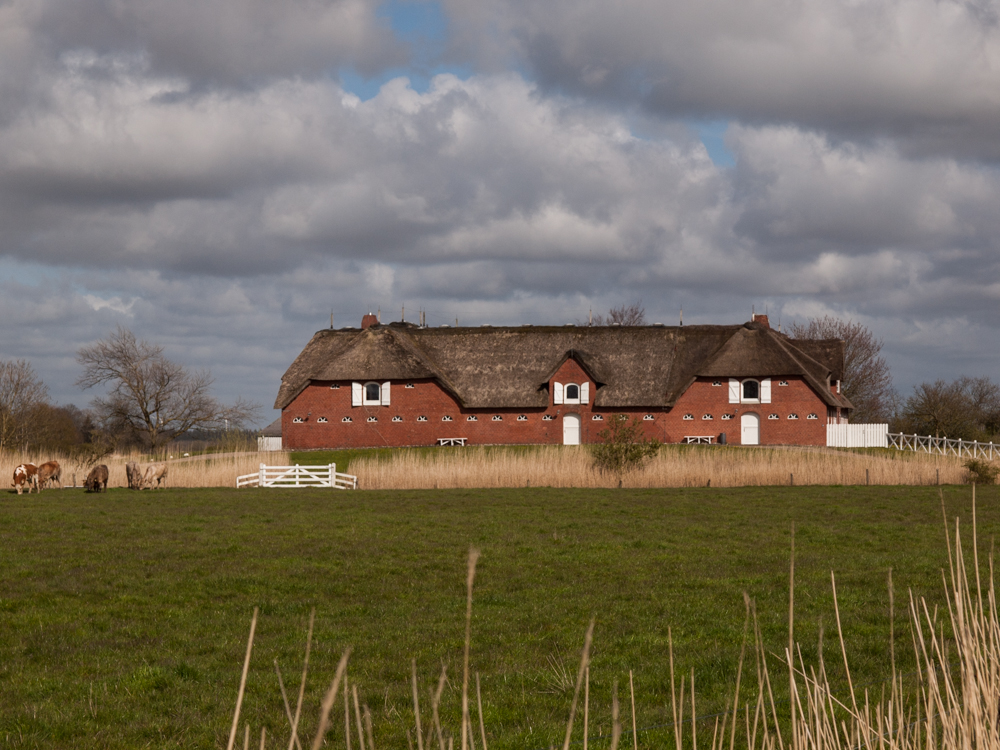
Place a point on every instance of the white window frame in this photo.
(359, 394)
(763, 391)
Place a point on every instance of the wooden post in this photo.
(866, 478)
(791, 480)
(260, 477)
(938, 476)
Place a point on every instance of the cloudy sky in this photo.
(222, 175)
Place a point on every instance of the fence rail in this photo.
(298, 476)
(944, 446)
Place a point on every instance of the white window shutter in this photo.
(557, 393)
(385, 393)
(765, 390)
(734, 391)
(357, 394)
(585, 392)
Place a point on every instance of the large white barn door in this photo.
(571, 429)
(750, 429)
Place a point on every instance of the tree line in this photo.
(151, 401)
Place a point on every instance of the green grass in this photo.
(123, 617)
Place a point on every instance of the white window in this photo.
(370, 394)
(472, 418)
(688, 417)
(373, 419)
(497, 418)
(647, 418)
(347, 420)
(772, 416)
(334, 387)
(297, 420)
(446, 419)
(571, 393)
(421, 418)
(706, 417)
(716, 383)
(750, 391)
(726, 417)
(408, 385)
(321, 420)
(522, 418)
(812, 416)
(598, 418)
(547, 417)
(793, 416)
(782, 383)
(397, 419)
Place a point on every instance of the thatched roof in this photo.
(497, 367)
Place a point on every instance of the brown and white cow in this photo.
(155, 473)
(97, 479)
(48, 472)
(26, 474)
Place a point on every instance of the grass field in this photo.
(124, 617)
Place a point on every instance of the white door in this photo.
(750, 429)
(571, 429)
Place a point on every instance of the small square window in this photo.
(446, 419)
(812, 416)
(726, 417)
(297, 420)
(397, 419)
(706, 416)
(716, 383)
(321, 420)
(497, 418)
(793, 416)
(472, 418)
(782, 382)
(647, 418)
(421, 418)
(522, 418)
(772, 416)
(598, 418)
(408, 385)
(547, 418)
(347, 420)
(372, 419)
(688, 417)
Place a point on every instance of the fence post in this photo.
(260, 478)
(332, 474)
(296, 475)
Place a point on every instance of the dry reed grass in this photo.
(675, 466)
(954, 705)
(212, 470)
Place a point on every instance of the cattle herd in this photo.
(27, 476)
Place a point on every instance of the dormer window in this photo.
(570, 393)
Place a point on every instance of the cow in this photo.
(26, 474)
(155, 473)
(49, 472)
(134, 475)
(97, 479)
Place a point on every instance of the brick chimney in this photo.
(368, 321)
(762, 319)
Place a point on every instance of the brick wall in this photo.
(332, 401)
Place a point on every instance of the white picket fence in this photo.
(298, 476)
(857, 436)
(944, 446)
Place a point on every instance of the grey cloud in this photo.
(920, 71)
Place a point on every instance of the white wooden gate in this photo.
(857, 436)
(298, 476)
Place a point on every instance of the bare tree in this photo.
(22, 394)
(867, 381)
(151, 398)
(967, 408)
(623, 315)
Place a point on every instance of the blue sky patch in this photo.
(712, 133)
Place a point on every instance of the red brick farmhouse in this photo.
(400, 384)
